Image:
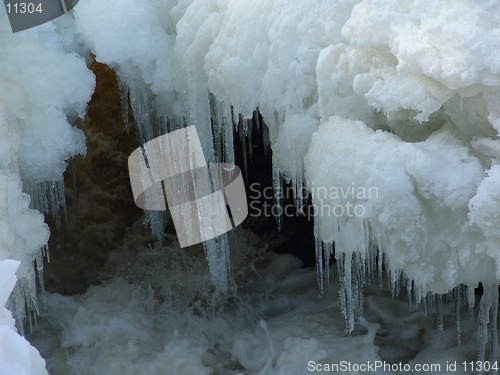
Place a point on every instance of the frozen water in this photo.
(387, 110)
(374, 99)
(17, 356)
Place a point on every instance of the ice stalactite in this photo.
(458, 297)
(398, 148)
(155, 221)
(43, 89)
(48, 197)
(124, 102)
(488, 311)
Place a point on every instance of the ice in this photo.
(47, 197)
(155, 221)
(194, 331)
(394, 104)
(488, 312)
(223, 126)
(458, 304)
(17, 356)
(394, 181)
(389, 106)
(39, 98)
(43, 89)
(124, 102)
(278, 196)
(319, 264)
(291, 147)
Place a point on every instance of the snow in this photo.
(165, 319)
(41, 87)
(394, 104)
(17, 356)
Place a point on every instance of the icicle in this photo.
(319, 264)
(488, 313)
(271, 353)
(266, 142)
(417, 292)
(471, 300)
(243, 140)
(409, 285)
(249, 136)
(439, 314)
(217, 127)
(380, 268)
(390, 282)
(347, 300)
(357, 282)
(226, 117)
(347, 285)
(161, 125)
(59, 199)
(72, 166)
(217, 254)
(124, 92)
(46, 252)
(396, 284)
(487, 310)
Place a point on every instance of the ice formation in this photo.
(17, 356)
(392, 104)
(395, 96)
(42, 87)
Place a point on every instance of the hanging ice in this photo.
(42, 87)
(17, 356)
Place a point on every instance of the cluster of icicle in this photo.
(44, 87)
(354, 94)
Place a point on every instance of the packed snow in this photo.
(386, 110)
